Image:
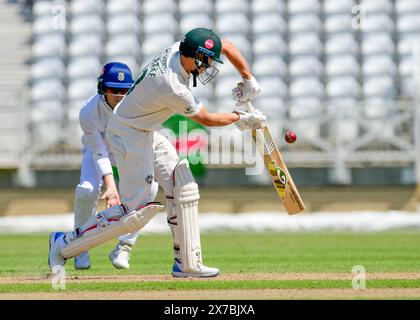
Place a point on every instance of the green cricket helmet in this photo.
(204, 45)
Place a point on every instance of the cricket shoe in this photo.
(201, 272)
(82, 261)
(57, 242)
(120, 256)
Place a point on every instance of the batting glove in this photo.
(250, 120)
(246, 91)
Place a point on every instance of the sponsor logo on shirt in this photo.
(149, 179)
(190, 109)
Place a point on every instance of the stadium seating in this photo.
(304, 53)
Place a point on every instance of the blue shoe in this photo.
(82, 261)
(201, 272)
(57, 242)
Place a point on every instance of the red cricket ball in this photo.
(290, 137)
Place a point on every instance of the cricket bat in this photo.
(276, 167)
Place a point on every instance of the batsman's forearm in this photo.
(218, 119)
(236, 58)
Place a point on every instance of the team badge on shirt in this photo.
(121, 76)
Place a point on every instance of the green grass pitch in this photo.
(232, 253)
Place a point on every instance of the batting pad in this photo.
(187, 230)
(129, 223)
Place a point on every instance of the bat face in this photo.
(277, 169)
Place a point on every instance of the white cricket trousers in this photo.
(87, 195)
(141, 157)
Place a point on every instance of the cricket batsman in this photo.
(97, 164)
(142, 155)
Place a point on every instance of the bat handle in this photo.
(249, 107)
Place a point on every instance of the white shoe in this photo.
(57, 242)
(201, 272)
(82, 261)
(120, 256)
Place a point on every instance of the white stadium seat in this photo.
(159, 23)
(377, 23)
(269, 44)
(268, 6)
(406, 67)
(122, 45)
(269, 23)
(155, 45)
(306, 87)
(377, 107)
(305, 107)
(270, 66)
(378, 65)
(89, 44)
(49, 89)
(191, 7)
(153, 7)
(191, 21)
(407, 86)
(378, 43)
(304, 6)
(80, 7)
(231, 6)
(48, 68)
(305, 66)
(273, 107)
(408, 24)
(343, 43)
(87, 24)
(403, 7)
(88, 66)
(53, 45)
(273, 86)
(43, 8)
(406, 45)
(306, 44)
(47, 110)
(381, 86)
(377, 6)
(338, 23)
(45, 25)
(343, 87)
(128, 23)
(232, 23)
(338, 7)
(82, 89)
(118, 7)
(304, 23)
(343, 65)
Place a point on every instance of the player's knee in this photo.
(87, 191)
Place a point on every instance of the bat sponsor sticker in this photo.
(279, 178)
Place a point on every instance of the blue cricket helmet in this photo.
(115, 75)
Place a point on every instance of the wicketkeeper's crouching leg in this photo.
(102, 227)
(183, 221)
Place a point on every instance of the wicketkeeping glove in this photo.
(250, 120)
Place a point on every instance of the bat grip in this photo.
(249, 107)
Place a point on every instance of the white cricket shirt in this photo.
(161, 91)
(93, 118)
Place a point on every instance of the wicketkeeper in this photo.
(97, 165)
(142, 155)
